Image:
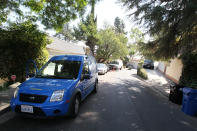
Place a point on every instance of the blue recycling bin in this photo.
(189, 104)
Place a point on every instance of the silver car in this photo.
(102, 68)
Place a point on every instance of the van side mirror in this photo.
(85, 76)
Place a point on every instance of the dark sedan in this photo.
(148, 64)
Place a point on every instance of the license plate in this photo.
(26, 108)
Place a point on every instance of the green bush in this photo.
(140, 64)
(189, 71)
(142, 73)
(18, 44)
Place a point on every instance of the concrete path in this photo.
(158, 81)
(5, 97)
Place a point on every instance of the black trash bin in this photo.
(176, 93)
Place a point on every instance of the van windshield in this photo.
(60, 69)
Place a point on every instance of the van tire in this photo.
(96, 87)
(75, 106)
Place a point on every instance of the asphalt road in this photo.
(123, 103)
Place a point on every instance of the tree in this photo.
(87, 29)
(66, 33)
(136, 36)
(19, 43)
(119, 25)
(6, 6)
(51, 13)
(173, 26)
(111, 45)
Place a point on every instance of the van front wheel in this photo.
(75, 106)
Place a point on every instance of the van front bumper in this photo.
(42, 110)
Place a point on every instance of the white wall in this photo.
(161, 66)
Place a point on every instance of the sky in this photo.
(107, 11)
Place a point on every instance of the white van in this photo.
(117, 64)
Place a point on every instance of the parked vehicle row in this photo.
(113, 65)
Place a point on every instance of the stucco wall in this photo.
(174, 70)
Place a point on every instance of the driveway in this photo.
(123, 103)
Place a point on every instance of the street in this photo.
(123, 103)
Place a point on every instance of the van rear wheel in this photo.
(96, 87)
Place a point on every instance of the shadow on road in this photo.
(123, 102)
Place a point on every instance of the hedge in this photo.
(189, 71)
(18, 44)
(142, 73)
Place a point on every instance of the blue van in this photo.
(58, 87)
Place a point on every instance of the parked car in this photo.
(117, 64)
(108, 68)
(58, 88)
(148, 64)
(130, 66)
(102, 68)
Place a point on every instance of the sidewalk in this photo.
(158, 82)
(5, 97)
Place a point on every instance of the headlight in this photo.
(57, 96)
(16, 92)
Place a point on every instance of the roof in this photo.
(68, 57)
(65, 47)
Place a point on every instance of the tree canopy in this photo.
(136, 37)
(111, 45)
(87, 28)
(51, 13)
(19, 43)
(66, 33)
(119, 25)
(173, 27)
(171, 23)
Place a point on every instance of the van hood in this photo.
(46, 85)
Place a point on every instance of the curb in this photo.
(5, 109)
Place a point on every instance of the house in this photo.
(135, 60)
(172, 69)
(61, 47)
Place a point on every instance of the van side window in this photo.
(85, 68)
